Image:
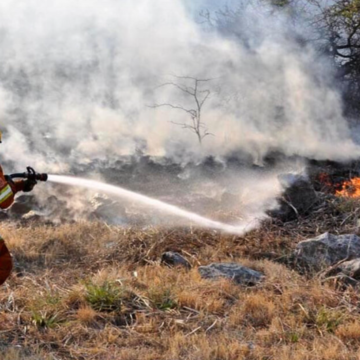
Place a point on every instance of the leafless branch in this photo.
(199, 98)
(191, 112)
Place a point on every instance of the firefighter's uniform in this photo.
(8, 189)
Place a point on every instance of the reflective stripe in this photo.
(5, 193)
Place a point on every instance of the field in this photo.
(92, 291)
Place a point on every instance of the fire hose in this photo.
(31, 174)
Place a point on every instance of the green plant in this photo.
(162, 299)
(45, 320)
(52, 299)
(328, 319)
(293, 337)
(105, 297)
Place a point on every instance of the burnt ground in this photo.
(204, 188)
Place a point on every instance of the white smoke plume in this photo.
(76, 79)
(79, 81)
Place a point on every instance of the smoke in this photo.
(80, 81)
(76, 80)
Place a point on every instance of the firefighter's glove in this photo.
(9, 180)
(29, 185)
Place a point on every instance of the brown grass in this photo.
(90, 291)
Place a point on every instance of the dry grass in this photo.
(90, 291)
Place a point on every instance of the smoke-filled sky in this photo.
(78, 81)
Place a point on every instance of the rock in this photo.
(174, 259)
(23, 204)
(351, 268)
(19, 209)
(236, 272)
(297, 200)
(345, 274)
(326, 250)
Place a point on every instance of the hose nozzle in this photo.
(31, 174)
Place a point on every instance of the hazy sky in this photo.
(196, 6)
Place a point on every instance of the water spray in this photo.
(148, 201)
(133, 196)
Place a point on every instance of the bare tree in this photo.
(338, 25)
(198, 97)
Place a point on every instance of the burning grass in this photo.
(350, 188)
(91, 291)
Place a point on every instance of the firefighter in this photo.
(8, 189)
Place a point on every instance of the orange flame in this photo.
(350, 188)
